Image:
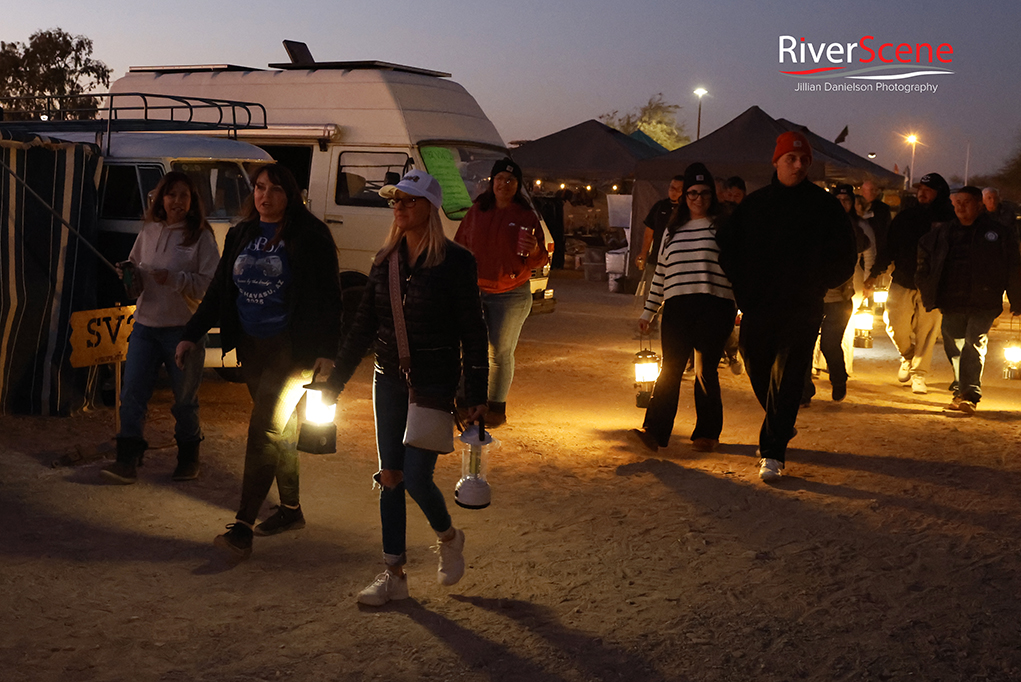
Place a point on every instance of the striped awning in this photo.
(47, 272)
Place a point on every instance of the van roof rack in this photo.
(182, 68)
(128, 112)
(360, 66)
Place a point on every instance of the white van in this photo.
(132, 164)
(347, 128)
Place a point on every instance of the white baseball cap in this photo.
(418, 184)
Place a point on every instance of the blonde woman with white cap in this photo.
(446, 335)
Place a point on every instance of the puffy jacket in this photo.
(445, 326)
(995, 264)
(784, 247)
(313, 295)
(902, 239)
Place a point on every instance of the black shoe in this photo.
(187, 461)
(124, 473)
(285, 518)
(129, 457)
(954, 387)
(647, 439)
(497, 414)
(237, 539)
(839, 392)
(186, 471)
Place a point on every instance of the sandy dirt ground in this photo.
(889, 552)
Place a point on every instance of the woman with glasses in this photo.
(276, 298)
(698, 309)
(503, 233)
(446, 337)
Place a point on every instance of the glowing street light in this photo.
(912, 140)
(698, 129)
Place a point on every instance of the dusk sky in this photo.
(539, 67)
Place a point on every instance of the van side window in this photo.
(222, 185)
(124, 187)
(360, 175)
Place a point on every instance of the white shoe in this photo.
(386, 587)
(904, 373)
(918, 384)
(451, 553)
(770, 469)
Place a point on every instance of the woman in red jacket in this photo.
(502, 230)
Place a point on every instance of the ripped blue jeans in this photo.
(390, 405)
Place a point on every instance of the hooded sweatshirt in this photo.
(189, 271)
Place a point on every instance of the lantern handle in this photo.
(482, 429)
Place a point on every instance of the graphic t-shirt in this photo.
(262, 275)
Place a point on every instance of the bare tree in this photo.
(52, 63)
(657, 119)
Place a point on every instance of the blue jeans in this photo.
(148, 349)
(390, 405)
(505, 315)
(965, 337)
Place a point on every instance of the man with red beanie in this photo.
(784, 246)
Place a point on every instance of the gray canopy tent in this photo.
(745, 147)
(589, 151)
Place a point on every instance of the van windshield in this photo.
(462, 171)
(223, 186)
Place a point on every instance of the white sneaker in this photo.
(770, 469)
(386, 587)
(451, 553)
(904, 373)
(918, 384)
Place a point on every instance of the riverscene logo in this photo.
(868, 65)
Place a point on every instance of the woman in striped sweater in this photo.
(698, 315)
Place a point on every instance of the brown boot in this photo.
(187, 461)
(129, 458)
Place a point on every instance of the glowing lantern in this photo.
(317, 433)
(863, 321)
(1012, 360)
(647, 367)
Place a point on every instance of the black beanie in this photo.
(698, 174)
(506, 165)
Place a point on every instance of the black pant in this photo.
(965, 337)
(702, 323)
(777, 346)
(275, 383)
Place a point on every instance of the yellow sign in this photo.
(100, 337)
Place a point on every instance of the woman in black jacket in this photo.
(276, 297)
(446, 335)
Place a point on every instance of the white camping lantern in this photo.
(1012, 360)
(472, 491)
(317, 433)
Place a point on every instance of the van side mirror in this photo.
(391, 178)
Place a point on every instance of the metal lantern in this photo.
(317, 433)
(863, 321)
(879, 297)
(647, 368)
(473, 491)
(1012, 354)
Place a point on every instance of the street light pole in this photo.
(912, 140)
(698, 128)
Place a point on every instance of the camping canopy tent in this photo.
(589, 151)
(745, 147)
(47, 272)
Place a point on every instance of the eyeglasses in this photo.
(506, 181)
(693, 195)
(407, 201)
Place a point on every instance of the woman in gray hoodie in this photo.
(173, 261)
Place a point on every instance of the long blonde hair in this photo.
(435, 241)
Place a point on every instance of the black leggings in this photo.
(699, 322)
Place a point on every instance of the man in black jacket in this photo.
(964, 266)
(785, 245)
(876, 212)
(914, 330)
